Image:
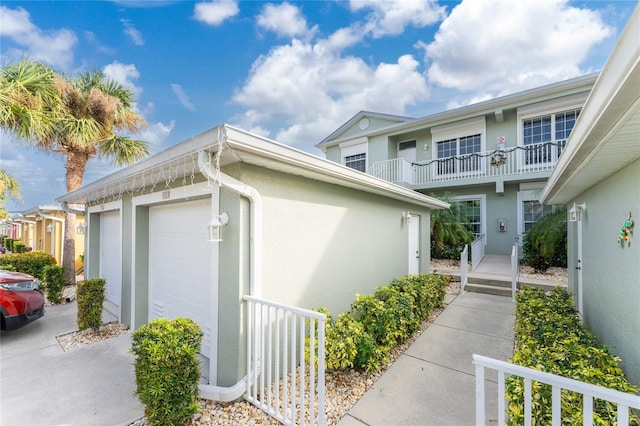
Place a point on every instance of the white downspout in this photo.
(231, 393)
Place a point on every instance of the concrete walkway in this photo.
(432, 383)
(42, 385)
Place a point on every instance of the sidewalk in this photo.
(433, 382)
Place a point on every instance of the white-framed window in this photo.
(530, 210)
(357, 162)
(456, 140)
(474, 208)
(354, 154)
(545, 130)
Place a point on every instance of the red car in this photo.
(20, 300)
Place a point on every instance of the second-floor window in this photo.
(452, 150)
(357, 162)
(551, 128)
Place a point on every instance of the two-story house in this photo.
(493, 157)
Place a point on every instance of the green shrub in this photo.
(450, 230)
(167, 369)
(19, 247)
(90, 295)
(54, 282)
(8, 243)
(32, 263)
(550, 337)
(545, 244)
(363, 337)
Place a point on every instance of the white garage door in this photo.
(111, 255)
(180, 271)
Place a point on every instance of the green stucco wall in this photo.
(611, 274)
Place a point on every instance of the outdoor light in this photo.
(49, 228)
(80, 229)
(214, 228)
(575, 212)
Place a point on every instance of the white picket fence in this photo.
(285, 362)
(464, 267)
(622, 400)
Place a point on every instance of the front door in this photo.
(414, 244)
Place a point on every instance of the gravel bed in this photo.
(76, 339)
(343, 390)
(551, 274)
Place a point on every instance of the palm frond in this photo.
(123, 150)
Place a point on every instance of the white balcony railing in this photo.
(623, 401)
(519, 160)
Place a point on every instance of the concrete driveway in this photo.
(42, 385)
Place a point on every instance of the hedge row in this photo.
(32, 263)
(363, 337)
(550, 337)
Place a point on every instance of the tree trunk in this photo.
(76, 164)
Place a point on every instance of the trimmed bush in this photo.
(32, 263)
(19, 247)
(363, 337)
(550, 337)
(8, 243)
(167, 369)
(90, 295)
(54, 282)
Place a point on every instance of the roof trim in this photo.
(486, 107)
(241, 146)
(362, 114)
(613, 100)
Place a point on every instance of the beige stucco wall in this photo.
(611, 274)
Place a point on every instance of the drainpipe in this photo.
(231, 393)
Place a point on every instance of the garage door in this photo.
(180, 283)
(111, 255)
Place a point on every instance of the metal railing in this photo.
(477, 251)
(285, 362)
(464, 267)
(515, 270)
(623, 401)
(534, 158)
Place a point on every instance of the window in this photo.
(532, 212)
(545, 129)
(470, 209)
(459, 147)
(357, 162)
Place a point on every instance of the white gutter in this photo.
(231, 393)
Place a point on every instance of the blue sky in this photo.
(295, 71)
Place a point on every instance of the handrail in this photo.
(464, 267)
(623, 400)
(515, 271)
(477, 251)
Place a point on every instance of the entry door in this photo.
(180, 271)
(111, 255)
(407, 150)
(414, 244)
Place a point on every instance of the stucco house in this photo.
(598, 179)
(494, 156)
(42, 228)
(191, 230)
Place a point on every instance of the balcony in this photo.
(510, 162)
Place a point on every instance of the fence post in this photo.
(514, 271)
(464, 267)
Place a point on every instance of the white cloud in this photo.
(54, 47)
(308, 89)
(156, 135)
(285, 20)
(392, 17)
(124, 74)
(182, 97)
(501, 46)
(215, 12)
(132, 32)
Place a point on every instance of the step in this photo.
(488, 289)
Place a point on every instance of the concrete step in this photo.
(488, 289)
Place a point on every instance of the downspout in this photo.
(231, 393)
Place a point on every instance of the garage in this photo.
(180, 266)
(111, 255)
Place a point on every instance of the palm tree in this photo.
(448, 228)
(80, 123)
(8, 187)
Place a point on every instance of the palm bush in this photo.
(449, 231)
(545, 244)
